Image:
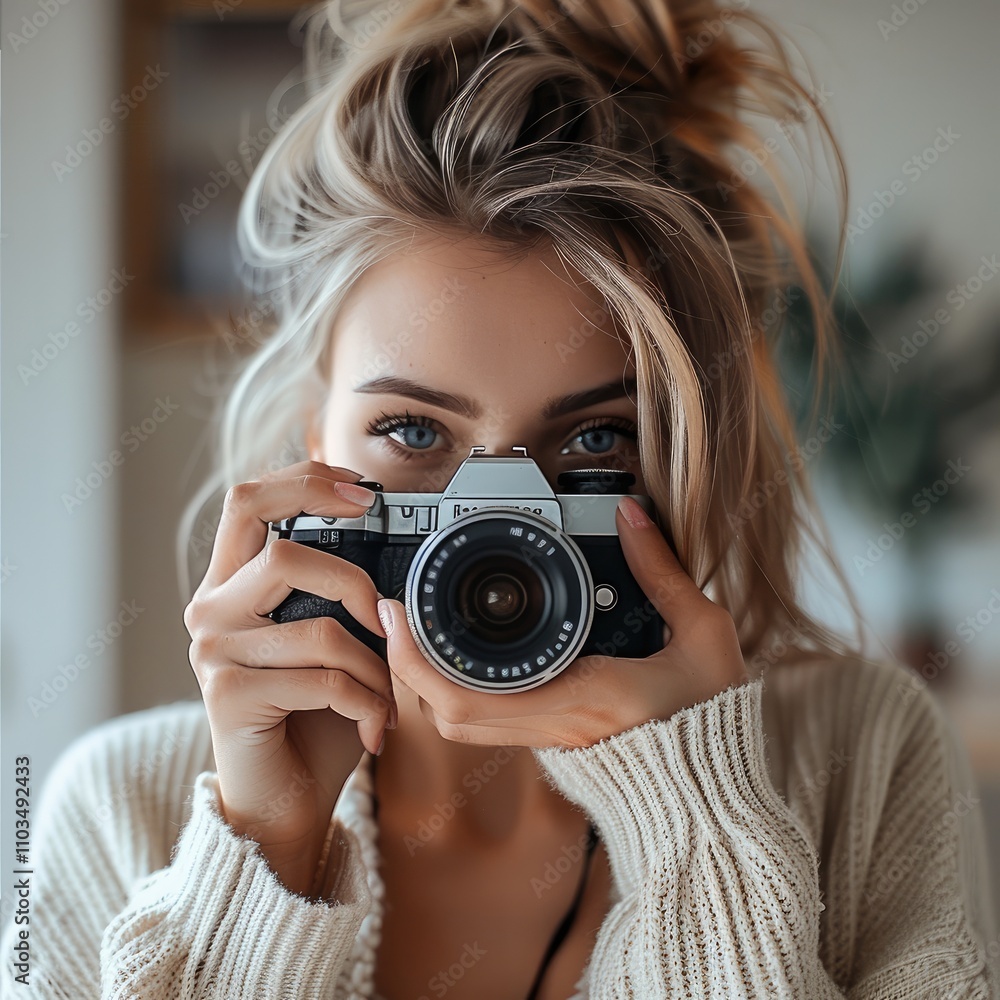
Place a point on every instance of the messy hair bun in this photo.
(611, 130)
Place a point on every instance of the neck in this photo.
(433, 789)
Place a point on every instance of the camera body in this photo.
(505, 582)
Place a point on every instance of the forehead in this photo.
(456, 307)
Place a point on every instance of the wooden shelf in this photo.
(222, 10)
(219, 61)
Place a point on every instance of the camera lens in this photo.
(500, 599)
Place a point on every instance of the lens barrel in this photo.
(500, 599)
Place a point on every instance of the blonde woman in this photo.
(521, 225)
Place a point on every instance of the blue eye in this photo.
(416, 431)
(411, 434)
(598, 437)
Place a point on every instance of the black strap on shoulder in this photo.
(563, 929)
(567, 921)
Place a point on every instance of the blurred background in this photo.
(129, 131)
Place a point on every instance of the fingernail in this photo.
(356, 494)
(381, 746)
(633, 513)
(393, 716)
(385, 617)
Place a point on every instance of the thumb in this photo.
(653, 562)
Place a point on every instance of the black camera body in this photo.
(505, 582)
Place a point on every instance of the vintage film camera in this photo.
(504, 582)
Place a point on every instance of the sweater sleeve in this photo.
(213, 922)
(717, 885)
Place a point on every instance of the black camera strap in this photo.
(563, 929)
(567, 921)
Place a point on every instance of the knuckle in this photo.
(715, 616)
(356, 576)
(220, 681)
(712, 624)
(281, 473)
(240, 494)
(193, 616)
(281, 553)
(310, 481)
(454, 732)
(453, 712)
(203, 649)
(324, 632)
(333, 679)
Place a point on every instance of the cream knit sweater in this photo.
(812, 833)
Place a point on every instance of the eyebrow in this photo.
(396, 385)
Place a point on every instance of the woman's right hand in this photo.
(291, 706)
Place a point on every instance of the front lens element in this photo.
(500, 599)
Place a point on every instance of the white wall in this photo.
(889, 95)
(892, 86)
(58, 248)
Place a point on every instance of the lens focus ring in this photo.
(500, 599)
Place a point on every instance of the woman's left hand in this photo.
(596, 696)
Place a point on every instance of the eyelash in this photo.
(385, 423)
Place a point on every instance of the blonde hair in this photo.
(609, 130)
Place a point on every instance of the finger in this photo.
(249, 507)
(262, 584)
(654, 564)
(409, 663)
(310, 467)
(451, 700)
(239, 689)
(541, 732)
(311, 642)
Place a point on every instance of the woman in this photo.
(518, 224)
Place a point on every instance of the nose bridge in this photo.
(502, 441)
(503, 426)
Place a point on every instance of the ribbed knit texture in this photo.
(812, 833)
